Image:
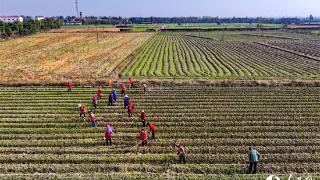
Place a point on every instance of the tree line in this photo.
(28, 26)
(182, 20)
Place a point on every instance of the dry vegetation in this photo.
(59, 57)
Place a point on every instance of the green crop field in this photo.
(41, 135)
(183, 56)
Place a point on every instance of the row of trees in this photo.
(181, 20)
(29, 26)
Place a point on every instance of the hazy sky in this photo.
(168, 8)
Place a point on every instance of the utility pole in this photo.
(77, 8)
(223, 31)
(97, 34)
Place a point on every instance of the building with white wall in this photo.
(39, 18)
(11, 19)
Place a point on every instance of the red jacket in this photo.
(131, 103)
(99, 92)
(143, 135)
(181, 150)
(83, 109)
(108, 83)
(130, 109)
(131, 106)
(107, 135)
(152, 127)
(123, 88)
(69, 85)
(94, 99)
(93, 118)
(143, 116)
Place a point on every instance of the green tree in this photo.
(2, 29)
(17, 27)
(8, 31)
(310, 18)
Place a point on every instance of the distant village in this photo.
(128, 22)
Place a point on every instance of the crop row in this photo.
(154, 149)
(142, 175)
(154, 158)
(305, 47)
(131, 140)
(216, 125)
(171, 55)
(150, 168)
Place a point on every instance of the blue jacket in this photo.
(254, 156)
(126, 101)
(108, 130)
(115, 95)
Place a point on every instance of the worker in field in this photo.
(108, 83)
(69, 86)
(95, 102)
(130, 81)
(143, 118)
(130, 108)
(115, 95)
(144, 86)
(126, 101)
(108, 130)
(99, 92)
(153, 130)
(143, 137)
(110, 99)
(254, 157)
(93, 119)
(79, 108)
(181, 153)
(123, 89)
(83, 110)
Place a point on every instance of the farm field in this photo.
(306, 47)
(216, 26)
(276, 35)
(41, 135)
(60, 57)
(181, 56)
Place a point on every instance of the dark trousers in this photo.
(254, 166)
(144, 90)
(144, 123)
(99, 97)
(153, 135)
(69, 90)
(84, 114)
(108, 141)
(144, 142)
(110, 102)
(182, 158)
(94, 105)
(122, 92)
(129, 114)
(94, 124)
(125, 106)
